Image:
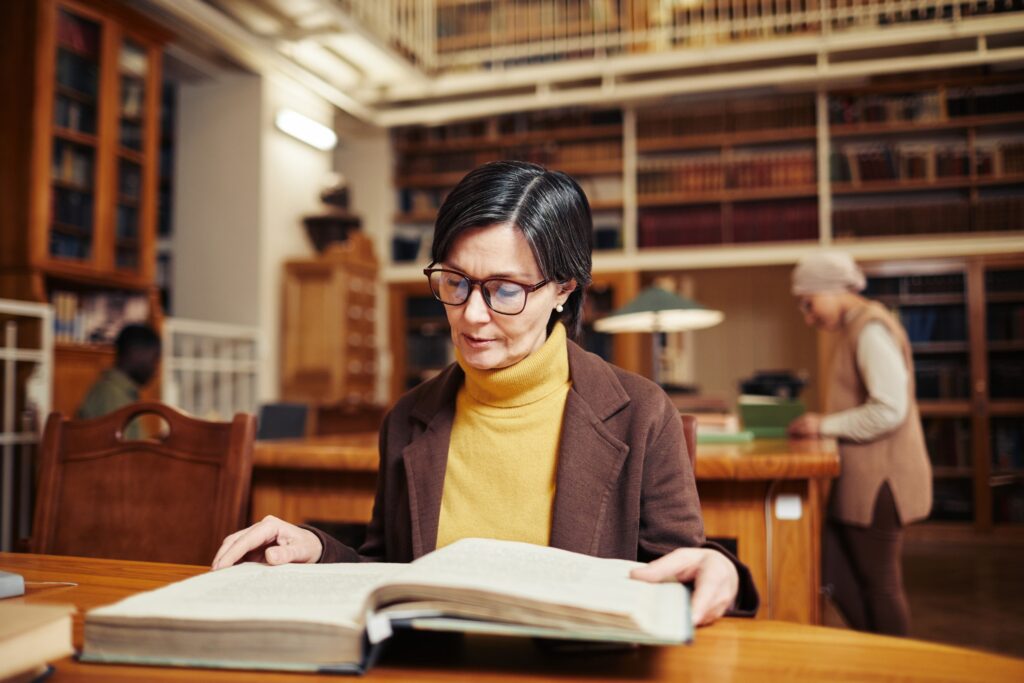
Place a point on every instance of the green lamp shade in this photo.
(658, 310)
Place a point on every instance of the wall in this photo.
(293, 174)
(763, 330)
(241, 189)
(364, 156)
(216, 266)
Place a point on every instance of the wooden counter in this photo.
(730, 650)
(333, 478)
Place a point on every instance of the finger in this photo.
(224, 545)
(678, 565)
(283, 554)
(259, 534)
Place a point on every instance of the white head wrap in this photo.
(827, 271)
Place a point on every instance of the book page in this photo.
(569, 582)
(318, 593)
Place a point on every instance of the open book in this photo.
(329, 617)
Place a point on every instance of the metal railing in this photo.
(26, 378)
(210, 370)
(441, 35)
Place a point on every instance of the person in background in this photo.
(138, 354)
(885, 482)
(527, 436)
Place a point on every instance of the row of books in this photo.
(74, 115)
(77, 33)
(77, 73)
(847, 109)
(550, 154)
(72, 163)
(942, 378)
(946, 323)
(511, 124)
(1007, 444)
(727, 116)
(131, 134)
(711, 173)
(71, 207)
(1006, 375)
(1009, 280)
(948, 441)
(924, 106)
(78, 247)
(129, 179)
(989, 214)
(855, 163)
(952, 500)
(946, 283)
(95, 317)
(127, 222)
(1005, 321)
(751, 222)
(425, 202)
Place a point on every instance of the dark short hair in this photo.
(548, 207)
(133, 337)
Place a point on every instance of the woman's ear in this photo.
(567, 287)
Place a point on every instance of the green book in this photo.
(768, 417)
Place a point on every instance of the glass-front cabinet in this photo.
(98, 219)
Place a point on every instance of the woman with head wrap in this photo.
(885, 481)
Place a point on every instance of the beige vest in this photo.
(899, 457)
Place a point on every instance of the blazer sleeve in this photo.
(373, 547)
(670, 507)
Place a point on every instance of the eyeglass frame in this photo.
(484, 294)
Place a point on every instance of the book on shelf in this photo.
(30, 636)
(948, 442)
(332, 617)
(95, 317)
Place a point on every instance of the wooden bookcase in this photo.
(328, 347)
(80, 163)
(965, 320)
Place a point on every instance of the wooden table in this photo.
(731, 650)
(333, 478)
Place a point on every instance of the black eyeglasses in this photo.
(452, 288)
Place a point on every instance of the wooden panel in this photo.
(302, 496)
(735, 510)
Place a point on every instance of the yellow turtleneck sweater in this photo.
(503, 455)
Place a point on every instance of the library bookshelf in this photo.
(965, 320)
(81, 159)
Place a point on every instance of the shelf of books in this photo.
(431, 161)
(944, 157)
(965, 321)
(1004, 332)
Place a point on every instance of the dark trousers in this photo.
(862, 570)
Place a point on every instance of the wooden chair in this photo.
(172, 498)
(690, 436)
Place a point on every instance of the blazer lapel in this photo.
(590, 457)
(426, 457)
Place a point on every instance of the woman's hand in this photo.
(806, 426)
(270, 540)
(715, 581)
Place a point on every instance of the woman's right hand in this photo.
(270, 540)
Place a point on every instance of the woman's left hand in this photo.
(807, 425)
(715, 581)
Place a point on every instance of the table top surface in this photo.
(757, 459)
(730, 650)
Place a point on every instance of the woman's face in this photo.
(823, 311)
(488, 340)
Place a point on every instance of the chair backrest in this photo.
(690, 436)
(282, 421)
(172, 498)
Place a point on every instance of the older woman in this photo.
(527, 436)
(886, 480)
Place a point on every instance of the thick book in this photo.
(31, 636)
(332, 617)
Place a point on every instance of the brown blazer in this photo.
(899, 458)
(624, 485)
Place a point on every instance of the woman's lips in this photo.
(477, 342)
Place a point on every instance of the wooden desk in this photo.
(731, 650)
(333, 479)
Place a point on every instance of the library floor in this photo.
(964, 588)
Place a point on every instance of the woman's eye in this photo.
(508, 291)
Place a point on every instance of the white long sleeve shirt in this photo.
(886, 378)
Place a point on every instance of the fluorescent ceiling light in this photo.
(306, 129)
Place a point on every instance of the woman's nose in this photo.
(476, 308)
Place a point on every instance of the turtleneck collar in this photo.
(531, 379)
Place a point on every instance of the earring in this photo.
(558, 307)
